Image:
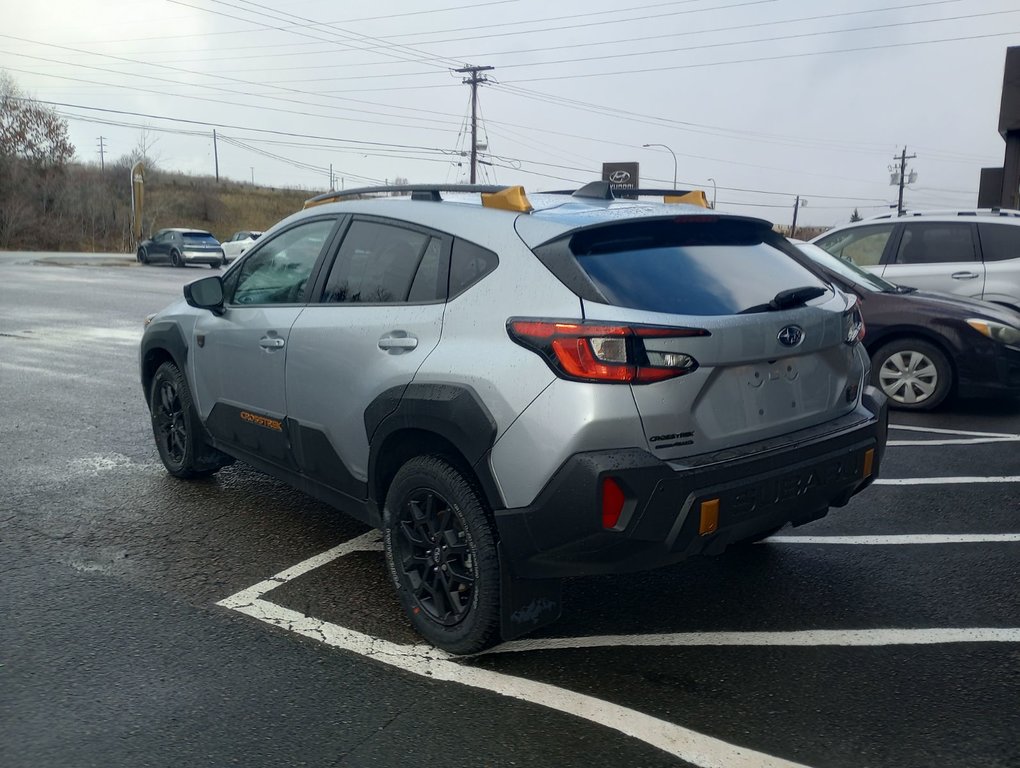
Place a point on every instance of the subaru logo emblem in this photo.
(791, 336)
(619, 177)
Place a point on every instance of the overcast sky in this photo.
(770, 98)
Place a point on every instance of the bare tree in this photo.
(29, 130)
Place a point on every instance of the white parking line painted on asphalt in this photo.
(945, 480)
(964, 437)
(806, 638)
(960, 441)
(899, 539)
(683, 743)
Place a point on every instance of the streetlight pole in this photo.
(713, 193)
(670, 152)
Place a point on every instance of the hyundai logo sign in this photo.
(619, 177)
(791, 336)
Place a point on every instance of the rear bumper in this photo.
(758, 487)
(202, 257)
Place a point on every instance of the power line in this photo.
(761, 59)
(774, 39)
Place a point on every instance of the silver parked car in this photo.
(974, 254)
(517, 391)
(181, 247)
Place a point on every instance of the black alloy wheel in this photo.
(176, 427)
(175, 259)
(442, 556)
(142, 256)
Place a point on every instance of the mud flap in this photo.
(526, 604)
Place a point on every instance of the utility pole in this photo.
(797, 205)
(903, 176)
(331, 177)
(474, 81)
(102, 153)
(252, 174)
(216, 156)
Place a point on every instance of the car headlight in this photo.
(1004, 334)
(148, 320)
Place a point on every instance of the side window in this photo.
(861, 245)
(1000, 241)
(935, 243)
(277, 272)
(469, 263)
(379, 264)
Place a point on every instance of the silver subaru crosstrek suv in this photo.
(517, 390)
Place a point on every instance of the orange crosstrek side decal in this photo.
(262, 421)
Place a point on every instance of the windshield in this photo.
(846, 269)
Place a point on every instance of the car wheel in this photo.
(142, 256)
(175, 259)
(915, 375)
(177, 429)
(442, 557)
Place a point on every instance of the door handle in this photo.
(965, 275)
(271, 342)
(395, 343)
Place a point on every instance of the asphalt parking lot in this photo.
(157, 622)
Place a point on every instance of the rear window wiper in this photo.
(787, 299)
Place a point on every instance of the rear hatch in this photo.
(200, 242)
(767, 353)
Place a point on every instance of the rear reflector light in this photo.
(602, 352)
(709, 517)
(869, 463)
(613, 499)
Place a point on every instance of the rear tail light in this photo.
(601, 352)
(853, 324)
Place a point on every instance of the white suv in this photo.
(975, 253)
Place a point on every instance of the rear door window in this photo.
(385, 264)
(999, 242)
(936, 243)
(718, 268)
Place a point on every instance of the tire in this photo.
(177, 429)
(441, 555)
(914, 374)
(175, 259)
(142, 256)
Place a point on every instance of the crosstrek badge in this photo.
(262, 421)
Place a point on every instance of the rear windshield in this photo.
(681, 267)
(200, 238)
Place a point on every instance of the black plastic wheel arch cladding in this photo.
(454, 412)
(161, 339)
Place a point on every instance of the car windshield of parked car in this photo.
(846, 269)
(690, 268)
(200, 238)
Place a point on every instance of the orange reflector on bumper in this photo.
(709, 517)
(869, 462)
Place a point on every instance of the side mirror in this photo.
(206, 293)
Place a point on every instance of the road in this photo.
(134, 631)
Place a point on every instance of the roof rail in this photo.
(417, 191)
(1005, 212)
